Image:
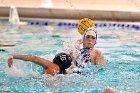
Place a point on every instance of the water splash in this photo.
(72, 47)
(22, 69)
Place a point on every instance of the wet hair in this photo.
(63, 60)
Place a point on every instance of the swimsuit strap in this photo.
(85, 53)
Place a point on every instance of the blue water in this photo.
(120, 46)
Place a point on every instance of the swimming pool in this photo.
(120, 46)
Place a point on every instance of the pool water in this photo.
(120, 46)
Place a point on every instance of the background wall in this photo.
(120, 10)
(99, 4)
(20, 2)
(129, 5)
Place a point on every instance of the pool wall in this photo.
(58, 13)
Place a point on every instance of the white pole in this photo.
(47, 3)
(13, 15)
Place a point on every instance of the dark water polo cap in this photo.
(63, 60)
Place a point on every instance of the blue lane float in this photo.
(65, 24)
(74, 24)
(37, 23)
(133, 26)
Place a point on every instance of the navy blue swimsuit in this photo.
(83, 57)
(83, 63)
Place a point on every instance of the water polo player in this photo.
(60, 62)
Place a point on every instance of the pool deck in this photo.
(118, 10)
